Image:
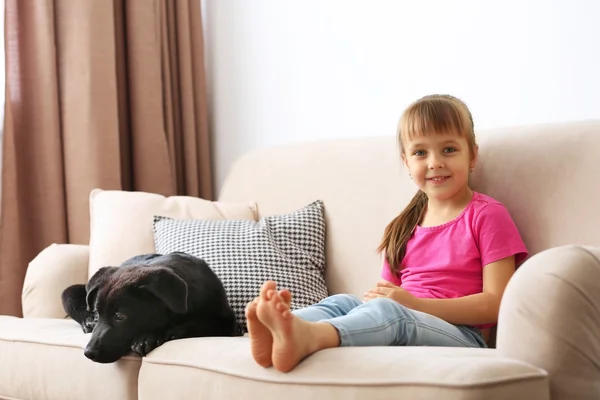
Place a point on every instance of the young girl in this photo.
(448, 258)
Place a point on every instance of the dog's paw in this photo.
(144, 344)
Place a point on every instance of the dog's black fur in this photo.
(146, 301)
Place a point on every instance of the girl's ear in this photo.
(405, 163)
(403, 157)
(475, 158)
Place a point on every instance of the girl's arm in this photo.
(476, 309)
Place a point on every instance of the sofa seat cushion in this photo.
(42, 359)
(223, 368)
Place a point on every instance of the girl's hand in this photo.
(396, 293)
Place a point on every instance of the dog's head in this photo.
(130, 301)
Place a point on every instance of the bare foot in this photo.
(261, 340)
(293, 338)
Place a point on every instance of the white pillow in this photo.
(121, 221)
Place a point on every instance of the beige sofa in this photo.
(547, 346)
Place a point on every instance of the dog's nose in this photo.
(91, 354)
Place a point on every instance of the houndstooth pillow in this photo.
(288, 249)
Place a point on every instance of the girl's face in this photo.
(439, 164)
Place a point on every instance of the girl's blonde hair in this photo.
(430, 115)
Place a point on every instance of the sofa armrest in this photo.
(550, 318)
(48, 274)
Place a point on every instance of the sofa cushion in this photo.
(121, 221)
(224, 368)
(42, 358)
(287, 248)
(48, 274)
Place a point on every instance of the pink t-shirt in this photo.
(447, 261)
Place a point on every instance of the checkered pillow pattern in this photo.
(287, 248)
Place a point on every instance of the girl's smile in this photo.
(438, 180)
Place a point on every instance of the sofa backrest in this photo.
(546, 175)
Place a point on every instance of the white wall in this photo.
(290, 70)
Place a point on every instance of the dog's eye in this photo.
(120, 316)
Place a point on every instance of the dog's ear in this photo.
(168, 287)
(96, 281)
(73, 301)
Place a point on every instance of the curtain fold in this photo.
(107, 94)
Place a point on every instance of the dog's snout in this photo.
(90, 353)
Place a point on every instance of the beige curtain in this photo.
(99, 93)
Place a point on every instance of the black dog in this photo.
(146, 301)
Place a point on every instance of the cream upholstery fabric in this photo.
(55, 268)
(225, 369)
(550, 317)
(42, 359)
(121, 222)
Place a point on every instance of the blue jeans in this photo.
(385, 322)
